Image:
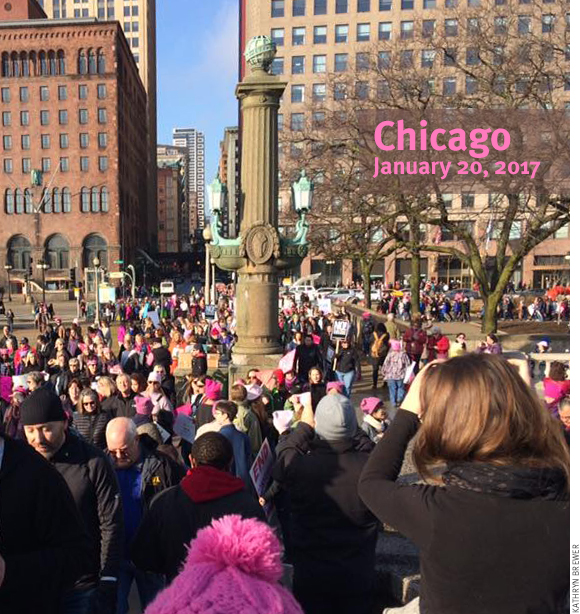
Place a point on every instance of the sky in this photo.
(197, 70)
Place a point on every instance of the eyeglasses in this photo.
(88, 403)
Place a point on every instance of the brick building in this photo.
(73, 107)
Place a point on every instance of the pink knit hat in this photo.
(232, 567)
(213, 390)
(282, 419)
(338, 386)
(395, 345)
(370, 405)
(143, 405)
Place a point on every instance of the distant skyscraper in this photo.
(138, 21)
(194, 141)
(229, 171)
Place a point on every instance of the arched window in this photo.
(94, 246)
(82, 62)
(66, 200)
(56, 205)
(104, 199)
(85, 200)
(24, 65)
(57, 252)
(19, 201)
(33, 64)
(5, 64)
(61, 62)
(52, 62)
(101, 67)
(92, 62)
(28, 203)
(95, 204)
(19, 252)
(43, 63)
(9, 201)
(15, 62)
(46, 201)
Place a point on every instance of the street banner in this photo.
(340, 329)
(261, 473)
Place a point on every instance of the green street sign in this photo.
(119, 261)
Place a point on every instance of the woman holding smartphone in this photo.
(494, 529)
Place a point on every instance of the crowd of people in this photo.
(114, 473)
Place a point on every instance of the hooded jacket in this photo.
(176, 515)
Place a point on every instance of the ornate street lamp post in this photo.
(8, 268)
(259, 253)
(96, 264)
(43, 266)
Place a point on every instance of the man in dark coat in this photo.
(307, 356)
(143, 472)
(333, 534)
(92, 482)
(43, 544)
(209, 491)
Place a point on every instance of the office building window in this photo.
(319, 35)
(428, 58)
(320, 7)
(83, 92)
(467, 200)
(362, 61)
(24, 95)
(83, 116)
(319, 92)
(500, 24)
(277, 36)
(363, 32)
(548, 22)
(451, 4)
(298, 65)
(84, 164)
(5, 94)
(103, 163)
(449, 86)
(102, 140)
(45, 165)
(428, 28)
(277, 67)
(44, 93)
(298, 8)
(44, 118)
(406, 58)
(363, 6)
(26, 166)
(341, 6)
(319, 63)
(524, 24)
(474, 3)
(84, 140)
(63, 117)
(341, 34)
(473, 26)
(385, 5)
(102, 115)
(64, 165)
(470, 85)
(6, 118)
(25, 141)
(298, 36)
(63, 141)
(297, 93)
(450, 56)
(407, 29)
(361, 90)
(451, 27)
(407, 5)
(277, 8)
(101, 91)
(297, 121)
(384, 59)
(340, 62)
(45, 141)
(340, 91)
(385, 29)
(8, 168)
(472, 56)
(62, 92)
(7, 141)
(429, 4)
(318, 118)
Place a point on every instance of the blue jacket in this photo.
(242, 452)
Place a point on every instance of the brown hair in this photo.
(140, 379)
(477, 408)
(227, 407)
(238, 394)
(557, 371)
(88, 392)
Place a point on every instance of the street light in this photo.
(8, 268)
(216, 192)
(302, 193)
(43, 266)
(207, 237)
(96, 263)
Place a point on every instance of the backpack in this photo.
(378, 347)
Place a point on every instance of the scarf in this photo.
(376, 424)
(547, 483)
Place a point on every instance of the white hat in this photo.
(154, 377)
(254, 392)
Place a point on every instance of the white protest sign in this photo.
(340, 329)
(261, 472)
(184, 427)
(154, 315)
(325, 305)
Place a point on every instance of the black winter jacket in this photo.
(126, 406)
(347, 360)
(92, 427)
(93, 484)
(333, 534)
(42, 538)
(480, 553)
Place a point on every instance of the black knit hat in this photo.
(41, 406)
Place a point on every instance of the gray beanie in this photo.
(335, 418)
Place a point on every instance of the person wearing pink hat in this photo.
(212, 394)
(374, 422)
(394, 368)
(232, 566)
